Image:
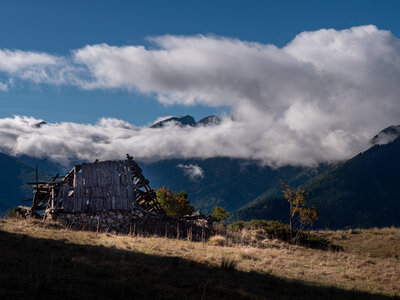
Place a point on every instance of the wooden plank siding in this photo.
(99, 186)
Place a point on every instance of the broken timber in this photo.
(98, 186)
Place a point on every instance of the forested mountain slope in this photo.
(361, 192)
(13, 178)
(226, 182)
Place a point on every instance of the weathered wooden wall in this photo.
(100, 186)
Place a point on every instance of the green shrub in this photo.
(311, 240)
(280, 231)
(273, 229)
(12, 213)
(237, 226)
(175, 205)
(219, 214)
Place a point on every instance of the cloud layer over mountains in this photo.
(320, 98)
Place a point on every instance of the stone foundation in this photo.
(136, 222)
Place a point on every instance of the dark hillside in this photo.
(361, 192)
(13, 178)
(230, 183)
(11, 183)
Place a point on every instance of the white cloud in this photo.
(33, 66)
(386, 136)
(3, 86)
(159, 119)
(17, 60)
(112, 139)
(319, 98)
(193, 171)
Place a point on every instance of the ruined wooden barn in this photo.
(94, 187)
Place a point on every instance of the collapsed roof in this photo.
(97, 186)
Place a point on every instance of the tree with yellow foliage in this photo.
(298, 209)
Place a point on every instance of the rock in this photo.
(139, 220)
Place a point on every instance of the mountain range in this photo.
(188, 121)
(360, 192)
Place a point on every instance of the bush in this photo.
(278, 230)
(12, 213)
(219, 214)
(314, 241)
(220, 229)
(273, 229)
(175, 205)
(237, 226)
(217, 240)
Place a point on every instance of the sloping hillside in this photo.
(230, 183)
(42, 260)
(361, 192)
(12, 178)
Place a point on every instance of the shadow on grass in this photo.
(33, 268)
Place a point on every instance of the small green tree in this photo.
(175, 205)
(298, 210)
(219, 214)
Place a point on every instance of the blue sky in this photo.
(57, 27)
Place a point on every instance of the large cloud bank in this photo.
(320, 98)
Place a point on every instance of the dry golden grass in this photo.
(363, 266)
(373, 242)
(217, 240)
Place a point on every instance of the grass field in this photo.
(42, 260)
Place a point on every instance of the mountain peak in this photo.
(40, 124)
(209, 121)
(181, 121)
(188, 121)
(386, 136)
